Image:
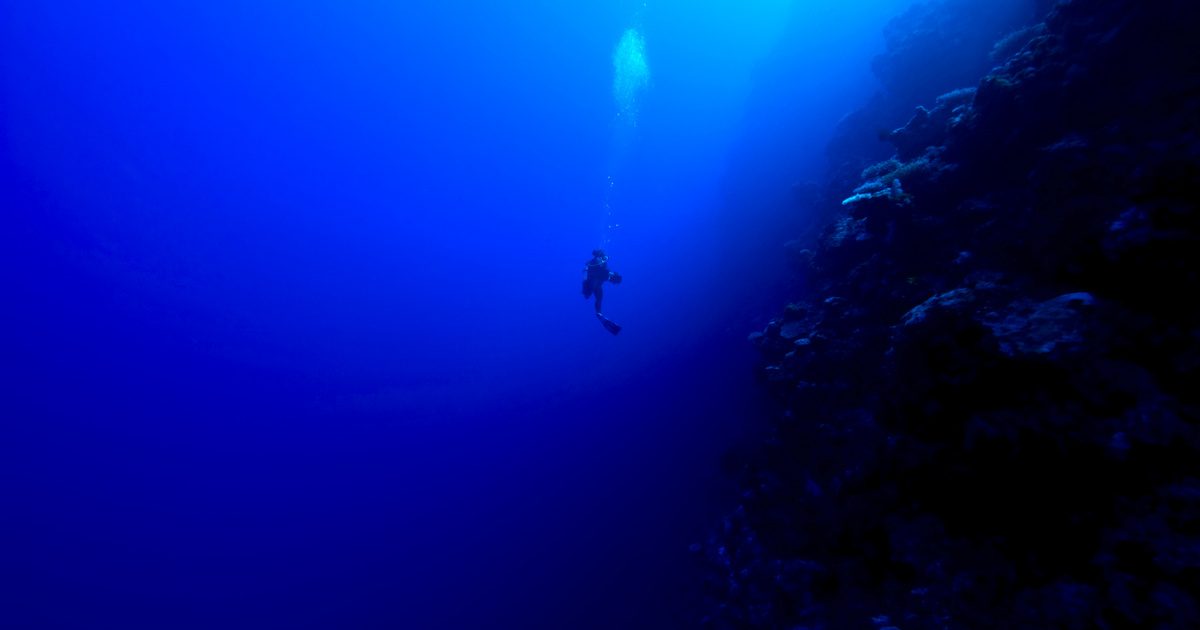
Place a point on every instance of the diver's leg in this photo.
(599, 290)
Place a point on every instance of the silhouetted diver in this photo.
(595, 273)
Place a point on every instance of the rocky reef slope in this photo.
(989, 382)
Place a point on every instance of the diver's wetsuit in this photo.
(597, 274)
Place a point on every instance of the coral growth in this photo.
(988, 412)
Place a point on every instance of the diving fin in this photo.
(609, 325)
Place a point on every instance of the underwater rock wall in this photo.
(931, 49)
(988, 392)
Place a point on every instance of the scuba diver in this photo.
(595, 274)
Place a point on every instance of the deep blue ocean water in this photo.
(293, 334)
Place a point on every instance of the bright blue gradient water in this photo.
(293, 334)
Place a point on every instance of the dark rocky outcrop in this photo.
(989, 413)
(932, 49)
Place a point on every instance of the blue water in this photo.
(293, 335)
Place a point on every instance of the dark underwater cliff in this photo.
(987, 377)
